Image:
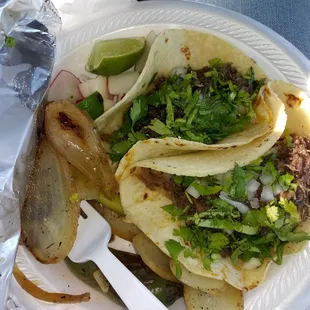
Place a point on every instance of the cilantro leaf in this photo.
(288, 138)
(255, 218)
(279, 252)
(292, 236)
(159, 127)
(119, 149)
(238, 186)
(218, 241)
(187, 181)
(272, 213)
(170, 113)
(206, 191)
(290, 208)
(285, 182)
(189, 253)
(175, 248)
(270, 169)
(138, 110)
(206, 258)
(228, 224)
(173, 210)
(178, 179)
(185, 233)
(214, 62)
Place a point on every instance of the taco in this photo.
(228, 224)
(197, 92)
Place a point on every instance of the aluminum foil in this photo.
(25, 71)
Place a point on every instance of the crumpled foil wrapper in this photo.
(25, 71)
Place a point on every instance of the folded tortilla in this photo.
(142, 206)
(163, 154)
(168, 53)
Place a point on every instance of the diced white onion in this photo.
(252, 187)
(178, 71)
(267, 194)
(253, 263)
(255, 203)
(243, 208)
(193, 191)
(277, 189)
(265, 179)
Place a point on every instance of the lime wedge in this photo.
(111, 57)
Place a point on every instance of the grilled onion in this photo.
(73, 134)
(49, 216)
(38, 293)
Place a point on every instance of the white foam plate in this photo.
(284, 284)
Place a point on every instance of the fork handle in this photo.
(133, 293)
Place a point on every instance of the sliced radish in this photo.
(149, 40)
(115, 99)
(107, 104)
(122, 83)
(64, 86)
(99, 84)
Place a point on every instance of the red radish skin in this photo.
(64, 87)
(98, 84)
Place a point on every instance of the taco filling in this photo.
(248, 214)
(205, 106)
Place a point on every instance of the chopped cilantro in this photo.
(206, 191)
(228, 224)
(238, 186)
(272, 213)
(285, 182)
(291, 209)
(180, 106)
(173, 210)
(269, 169)
(119, 149)
(288, 138)
(159, 127)
(175, 248)
(178, 179)
(138, 110)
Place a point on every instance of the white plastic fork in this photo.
(91, 243)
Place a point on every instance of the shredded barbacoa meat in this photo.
(295, 160)
(155, 180)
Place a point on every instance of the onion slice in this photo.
(38, 293)
(238, 205)
(85, 187)
(50, 215)
(73, 134)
